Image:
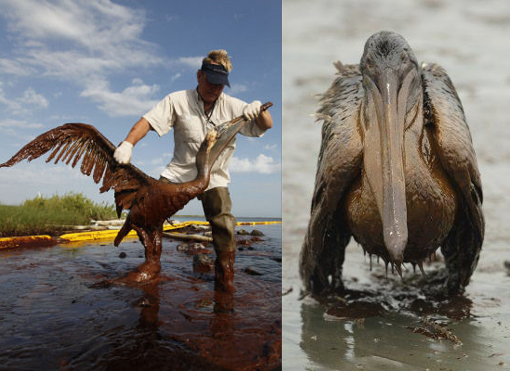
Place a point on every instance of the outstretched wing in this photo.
(444, 112)
(339, 164)
(70, 143)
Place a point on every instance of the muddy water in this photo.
(52, 318)
(388, 323)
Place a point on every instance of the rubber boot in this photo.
(224, 271)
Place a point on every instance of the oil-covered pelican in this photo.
(149, 201)
(397, 170)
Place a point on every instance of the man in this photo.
(192, 114)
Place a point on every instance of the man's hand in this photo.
(123, 153)
(252, 110)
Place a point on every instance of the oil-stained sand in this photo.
(389, 323)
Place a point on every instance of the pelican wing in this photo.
(339, 164)
(445, 114)
(70, 143)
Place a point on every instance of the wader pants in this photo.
(217, 204)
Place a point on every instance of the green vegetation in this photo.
(51, 215)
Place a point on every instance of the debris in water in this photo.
(252, 271)
(288, 291)
(202, 263)
(435, 331)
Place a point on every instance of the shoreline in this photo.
(95, 235)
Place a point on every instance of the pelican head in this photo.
(392, 101)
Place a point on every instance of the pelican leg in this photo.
(126, 228)
(322, 256)
(461, 252)
(150, 269)
(332, 259)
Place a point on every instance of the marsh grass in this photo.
(51, 215)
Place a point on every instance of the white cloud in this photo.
(95, 24)
(18, 129)
(15, 67)
(237, 88)
(164, 158)
(75, 39)
(133, 100)
(262, 164)
(176, 76)
(270, 147)
(23, 105)
(19, 124)
(84, 42)
(194, 62)
(171, 18)
(32, 98)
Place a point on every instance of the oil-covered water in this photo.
(52, 316)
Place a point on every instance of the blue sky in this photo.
(106, 63)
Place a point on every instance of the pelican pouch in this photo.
(217, 205)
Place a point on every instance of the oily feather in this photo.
(454, 146)
(339, 163)
(71, 143)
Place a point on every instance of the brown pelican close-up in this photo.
(396, 170)
(150, 202)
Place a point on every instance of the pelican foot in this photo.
(319, 287)
(144, 273)
(148, 272)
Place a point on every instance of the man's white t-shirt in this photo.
(184, 112)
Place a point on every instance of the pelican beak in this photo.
(224, 137)
(384, 155)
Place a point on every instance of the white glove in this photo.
(252, 110)
(123, 153)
